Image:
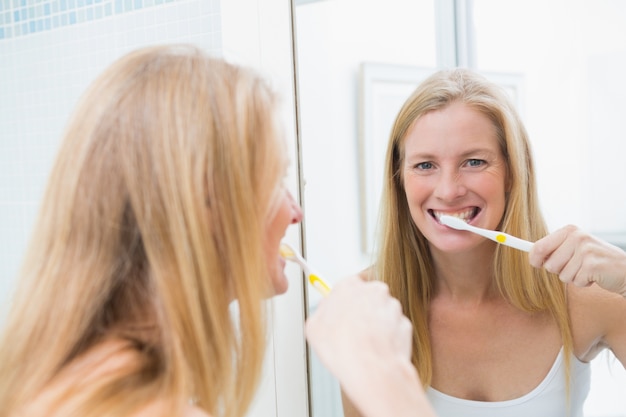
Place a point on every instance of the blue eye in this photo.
(424, 165)
(475, 162)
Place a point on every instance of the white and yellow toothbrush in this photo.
(291, 255)
(500, 237)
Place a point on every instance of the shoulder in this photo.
(193, 411)
(85, 370)
(155, 408)
(597, 318)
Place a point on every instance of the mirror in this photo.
(357, 60)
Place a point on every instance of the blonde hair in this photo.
(164, 180)
(403, 256)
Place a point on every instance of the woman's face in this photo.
(288, 212)
(453, 165)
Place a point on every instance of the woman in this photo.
(166, 204)
(493, 335)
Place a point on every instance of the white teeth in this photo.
(463, 215)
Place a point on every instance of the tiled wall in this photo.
(23, 17)
(49, 52)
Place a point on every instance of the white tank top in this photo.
(548, 399)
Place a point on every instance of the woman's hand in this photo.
(581, 259)
(359, 320)
(361, 336)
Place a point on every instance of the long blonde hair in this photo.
(403, 256)
(162, 185)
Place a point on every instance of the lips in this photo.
(467, 215)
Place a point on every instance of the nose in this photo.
(449, 186)
(295, 209)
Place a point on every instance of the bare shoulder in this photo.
(597, 321)
(103, 359)
(89, 367)
(156, 408)
(196, 412)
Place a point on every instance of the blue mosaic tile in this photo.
(24, 17)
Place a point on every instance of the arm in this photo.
(361, 336)
(581, 259)
(598, 311)
(597, 318)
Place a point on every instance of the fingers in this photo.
(565, 253)
(359, 320)
(572, 271)
(581, 259)
(545, 247)
(362, 338)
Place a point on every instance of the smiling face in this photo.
(453, 165)
(287, 212)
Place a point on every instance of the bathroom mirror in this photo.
(357, 60)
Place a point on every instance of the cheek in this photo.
(493, 189)
(497, 183)
(276, 229)
(278, 223)
(416, 190)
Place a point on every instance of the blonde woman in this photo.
(497, 333)
(165, 204)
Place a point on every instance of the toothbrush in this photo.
(500, 237)
(291, 255)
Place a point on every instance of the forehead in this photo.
(457, 127)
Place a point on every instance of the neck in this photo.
(466, 277)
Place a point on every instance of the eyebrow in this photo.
(479, 151)
(471, 152)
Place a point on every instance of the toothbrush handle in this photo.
(319, 284)
(514, 242)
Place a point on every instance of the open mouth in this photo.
(466, 215)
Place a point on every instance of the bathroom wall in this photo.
(49, 52)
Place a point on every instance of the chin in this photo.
(280, 285)
(450, 243)
(457, 246)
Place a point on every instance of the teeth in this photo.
(463, 215)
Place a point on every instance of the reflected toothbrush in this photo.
(291, 255)
(500, 237)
